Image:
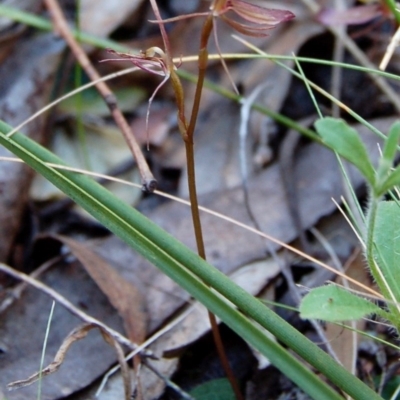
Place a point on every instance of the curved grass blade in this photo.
(194, 274)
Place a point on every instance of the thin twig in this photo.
(145, 344)
(16, 292)
(286, 156)
(67, 304)
(168, 382)
(61, 26)
(338, 53)
(287, 273)
(394, 42)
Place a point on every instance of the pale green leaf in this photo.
(217, 389)
(390, 182)
(343, 139)
(387, 245)
(390, 147)
(386, 179)
(332, 303)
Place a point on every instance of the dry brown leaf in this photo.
(10, 31)
(252, 277)
(27, 79)
(100, 18)
(123, 295)
(107, 151)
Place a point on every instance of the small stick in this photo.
(338, 55)
(17, 291)
(145, 344)
(168, 382)
(61, 26)
(390, 50)
(67, 304)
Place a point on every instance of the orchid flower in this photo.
(253, 20)
(153, 60)
(257, 20)
(260, 18)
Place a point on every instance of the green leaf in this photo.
(334, 304)
(390, 148)
(386, 239)
(386, 161)
(217, 389)
(389, 388)
(343, 139)
(390, 182)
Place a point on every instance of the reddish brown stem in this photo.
(187, 132)
(203, 60)
(61, 26)
(194, 205)
(167, 46)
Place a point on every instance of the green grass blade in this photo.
(44, 24)
(387, 245)
(190, 271)
(46, 337)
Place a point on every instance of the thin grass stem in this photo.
(46, 337)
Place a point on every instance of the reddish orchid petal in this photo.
(255, 31)
(351, 16)
(257, 14)
(261, 18)
(151, 60)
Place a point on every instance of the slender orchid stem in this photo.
(189, 145)
(187, 132)
(167, 46)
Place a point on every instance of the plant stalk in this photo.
(187, 132)
(191, 170)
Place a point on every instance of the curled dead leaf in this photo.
(78, 334)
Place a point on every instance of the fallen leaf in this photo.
(100, 18)
(27, 79)
(123, 295)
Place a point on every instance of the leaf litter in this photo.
(143, 297)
